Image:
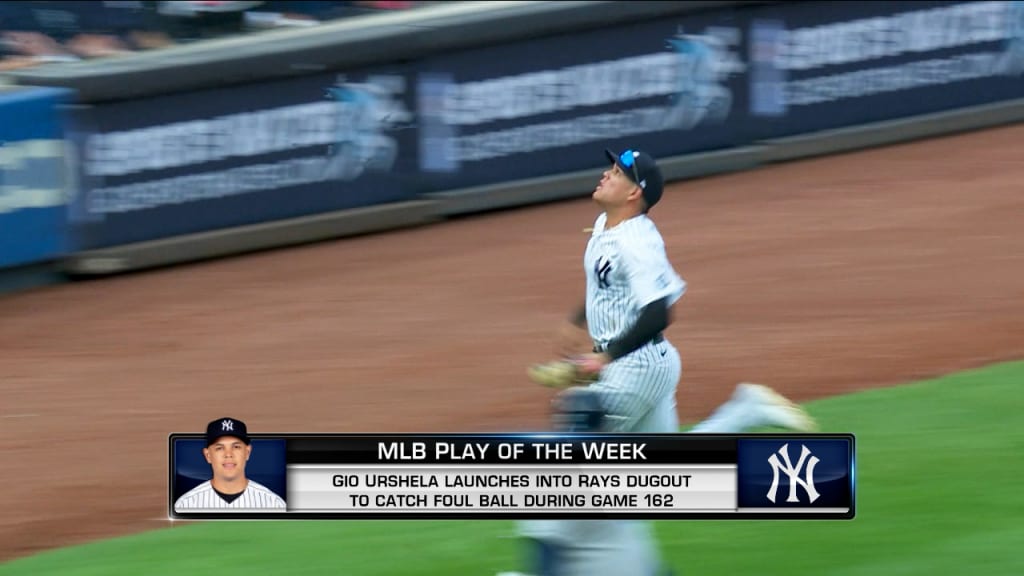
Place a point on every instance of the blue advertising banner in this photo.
(191, 162)
(551, 105)
(32, 176)
(822, 65)
(707, 81)
(200, 161)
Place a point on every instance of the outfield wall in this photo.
(405, 119)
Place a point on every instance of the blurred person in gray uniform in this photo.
(587, 547)
(628, 547)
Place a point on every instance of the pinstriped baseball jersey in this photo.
(203, 497)
(627, 268)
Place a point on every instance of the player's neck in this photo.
(619, 215)
(230, 487)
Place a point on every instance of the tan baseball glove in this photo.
(560, 374)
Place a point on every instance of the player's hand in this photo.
(592, 363)
(571, 341)
(567, 372)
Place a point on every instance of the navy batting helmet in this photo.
(579, 409)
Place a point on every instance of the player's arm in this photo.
(572, 338)
(578, 318)
(656, 288)
(653, 320)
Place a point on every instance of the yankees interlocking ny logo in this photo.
(601, 269)
(227, 426)
(793, 473)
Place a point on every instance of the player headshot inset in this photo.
(228, 449)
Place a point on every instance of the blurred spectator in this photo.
(206, 19)
(32, 48)
(195, 20)
(97, 45)
(386, 5)
(38, 32)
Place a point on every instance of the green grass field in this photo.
(938, 493)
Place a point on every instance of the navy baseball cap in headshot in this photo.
(226, 427)
(642, 169)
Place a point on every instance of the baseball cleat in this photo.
(774, 409)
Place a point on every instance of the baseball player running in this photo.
(228, 448)
(631, 289)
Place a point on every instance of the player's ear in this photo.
(248, 451)
(636, 194)
(206, 454)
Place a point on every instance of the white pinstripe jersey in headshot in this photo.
(255, 497)
(627, 268)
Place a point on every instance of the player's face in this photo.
(615, 188)
(228, 456)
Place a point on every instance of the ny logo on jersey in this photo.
(227, 426)
(602, 267)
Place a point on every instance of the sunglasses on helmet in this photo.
(628, 159)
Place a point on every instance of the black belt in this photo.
(598, 349)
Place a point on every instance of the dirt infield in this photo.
(815, 277)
